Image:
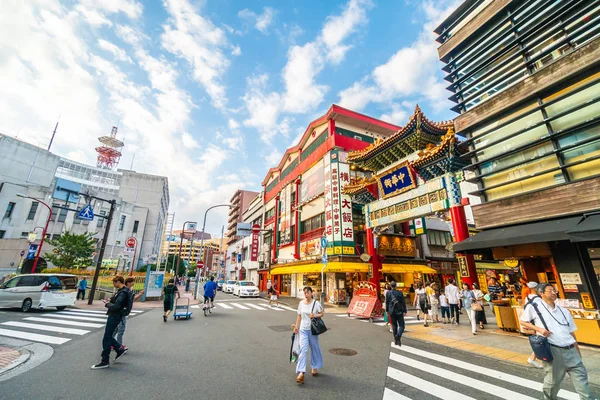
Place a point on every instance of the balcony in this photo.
(315, 233)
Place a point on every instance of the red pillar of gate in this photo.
(275, 231)
(372, 251)
(461, 232)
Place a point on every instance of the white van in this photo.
(39, 291)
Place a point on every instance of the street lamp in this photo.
(180, 246)
(39, 249)
(202, 244)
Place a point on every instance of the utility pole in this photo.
(113, 204)
(53, 134)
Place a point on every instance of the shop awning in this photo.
(536, 232)
(347, 267)
(404, 268)
(586, 230)
(490, 265)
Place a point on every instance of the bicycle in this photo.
(208, 305)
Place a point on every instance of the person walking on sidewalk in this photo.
(531, 297)
(479, 314)
(435, 303)
(445, 308)
(557, 324)
(468, 298)
(123, 324)
(81, 287)
(272, 291)
(169, 298)
(307, 310)
(116, 307)
(452, 295)
(386, 316)
(395, 306)
(421, 302)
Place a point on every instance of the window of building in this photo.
(316, 222)
(9, 209)
(24, 235)
(577, 117)
(581, 153)
(513, 143)
(136, 224)
(122, 223)
(525, 122)
(270, 213)
(100, 223)
(62, 215)
(521, 171)
(2, 233)
(33, 210)
(438, 238)
(527, 185)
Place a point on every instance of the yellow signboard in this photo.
(586, 299)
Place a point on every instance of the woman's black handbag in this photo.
(317, 326)
(539, 344)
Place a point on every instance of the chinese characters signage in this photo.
(390, 245)
(463, 267)
(338, 207)
(285, 219)
(396, 180)
(254, 247)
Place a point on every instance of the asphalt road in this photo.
(241, 352)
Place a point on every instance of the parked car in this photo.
(228, 286)
(220, 283)
(245, 289)
(39, 291)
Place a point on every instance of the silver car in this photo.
(39, 291)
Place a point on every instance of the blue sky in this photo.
(211, 93)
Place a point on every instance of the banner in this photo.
(155, 283)
(338, 207)
(313, 183)
(254, 247)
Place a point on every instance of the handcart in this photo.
(182, 310)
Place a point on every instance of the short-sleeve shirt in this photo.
(559, 321)
(451, 292)
(304, 311)
(209, 289)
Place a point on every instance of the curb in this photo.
(23, 357)
(32, 355)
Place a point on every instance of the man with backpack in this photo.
(116, 306)
(395, 306)
(120, 331)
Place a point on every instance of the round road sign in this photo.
(200, 264)
(256, 229)
(130, 242)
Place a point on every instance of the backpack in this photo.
(127, 309)
(395, 305)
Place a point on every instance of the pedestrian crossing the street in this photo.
(414, 373)
(57, 327)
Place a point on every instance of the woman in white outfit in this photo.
(307, 310)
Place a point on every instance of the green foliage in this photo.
(72, 250)
(144, 268)
(170, 262)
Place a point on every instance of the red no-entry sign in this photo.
(130, 242)
(199, 264)
(256, 229)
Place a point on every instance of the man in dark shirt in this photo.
(117, 306)
(395, 306)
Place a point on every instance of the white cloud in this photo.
(260, 21)
(397, 115)
(339, 27)
(117, 52)
(413, 71)
(233, 124)
(237, 51)
(196, 39)
(132, 8)
(188, 141)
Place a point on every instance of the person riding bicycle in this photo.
(210, 289)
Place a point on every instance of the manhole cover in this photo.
(281, 328)
(343, 352)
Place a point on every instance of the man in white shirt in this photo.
(565, 350)
(452, 295)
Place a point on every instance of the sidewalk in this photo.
(11, 357)
(492, 342)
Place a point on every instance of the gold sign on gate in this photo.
(463, 266)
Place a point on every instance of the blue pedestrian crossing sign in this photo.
(87, 213)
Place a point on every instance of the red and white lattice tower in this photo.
(109, 153)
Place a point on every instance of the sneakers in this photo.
(397, 341)
(165, 318)
(124, 348)
(101, 365)
(120, 354)
(452, 320)
(534, 363)
(418, 317)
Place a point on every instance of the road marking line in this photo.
(48, 328)
(289, 308)
(255, 306)
(33, 336)
(195, 306)
(240, 306)
(76, 317)
(425, 386)
(64, 322)
(77, 310)
(104, 317)
(565, 394)
(224, 306)
(462, 379)
(389, 394)
(342, 315)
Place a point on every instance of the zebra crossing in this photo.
(247, 306)
(408, 320)
(57, 327)
(414, 373)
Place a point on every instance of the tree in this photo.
(171, 260)
(72, 250)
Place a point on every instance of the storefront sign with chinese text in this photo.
(400, 246)
(338, 207)
(396, 180)
(586, 300)
(463, 267)
(570, 278)
(570, 288)
(254, 247)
